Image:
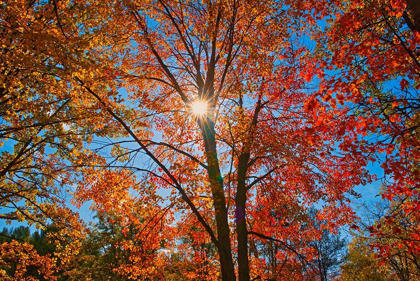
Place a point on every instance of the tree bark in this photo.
(219, 201)
(241, 198)
(241, 230)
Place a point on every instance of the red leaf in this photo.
(404, 83)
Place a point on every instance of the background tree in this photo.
(384, 240)
(133, 229)
(361, 263)
(117, 252)
(23, 234)
(38, 255)
(40, 245)
(317, 256)
(330, 251)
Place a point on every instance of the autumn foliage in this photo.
(301, 98)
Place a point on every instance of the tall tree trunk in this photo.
(241, 197)
(241, 230)
(219, 201)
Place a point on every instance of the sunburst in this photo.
(199, 108)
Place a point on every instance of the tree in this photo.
(391, 235)
(35, 244)
(369, 64)
(257, 138)
(114, 251)
(37, 255)
(197, 253)
(384, 241)
(361, 264)
(330, 251)
(129, 238)
(380, 63)
(259, 148)
(317, 256)
(43, 126)
(23, 234)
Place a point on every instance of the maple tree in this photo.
(257, 138)
(106, 108)
(42, 126)
(370, 65)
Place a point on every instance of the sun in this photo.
(199, 107)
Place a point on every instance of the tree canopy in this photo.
(98, 106)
